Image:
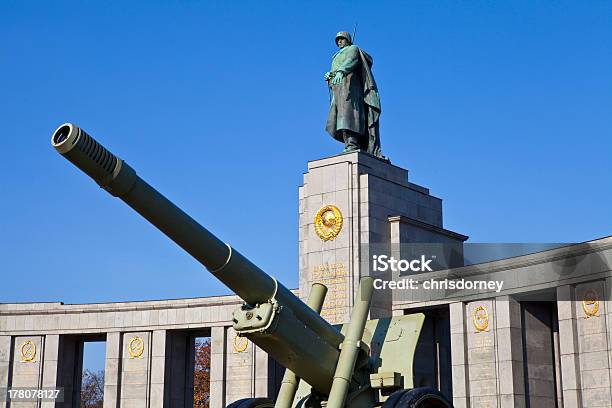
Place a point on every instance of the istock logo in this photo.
(383, 263)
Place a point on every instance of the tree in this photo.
(201, 373)
(92, 389)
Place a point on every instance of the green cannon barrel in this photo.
(313, 360)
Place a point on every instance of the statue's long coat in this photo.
(355, 103)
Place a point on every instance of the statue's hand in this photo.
(327, 76)
(338, 78)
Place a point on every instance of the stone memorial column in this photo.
(568, 348)
(5, 360)
(593, 336)
(135, 369)
(50, 365)
(27, 365)
(482, 353)
(510, 352)
(461, 390)
(240, 367)
(112, 367)
(158, 365)
(347, 205)
(217, 366)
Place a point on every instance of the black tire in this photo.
(417, 398)
(252, 403)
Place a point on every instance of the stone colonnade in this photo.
(149, 351)
(545, 340)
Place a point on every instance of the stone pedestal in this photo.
(377, 205)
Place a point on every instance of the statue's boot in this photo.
(351, 142)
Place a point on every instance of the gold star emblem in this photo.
(590, 303)
(136, 347)
(481, 318)
(240, 344)
(328, 222)
(28, 351)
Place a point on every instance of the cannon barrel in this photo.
(299, 339)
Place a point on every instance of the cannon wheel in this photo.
(417, 398)
(252, 403)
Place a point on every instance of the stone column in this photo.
(240, 367)
(158, 365)
(482, 353)
(461, 390)
(568, 348)
(607, 299)
(261, 373)
(50, 365)
(112, 367)
(217, 367)
(593, 344)
(510, 353)
(28, 355)
(5, 360)
(135, 369)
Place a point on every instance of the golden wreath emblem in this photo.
(136, 347)
(590, 303)
(240, 344)
(481, 318)
(28, 351)
(328, 222)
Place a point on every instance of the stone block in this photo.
(596, 397)
(113, 345)
(157, 396)
(572, 398)
(569, 372)
(458, 355)
(111, 371)
(459, 373)
(157, 370)
(133, 391)
(511, 377)
(596, 360)
(4, 374)
(460, 402)
(483, 371)
(486, 385)
(593, 342)
(567, 337)
(483, 401)
(158, 346)
(5, 348)
(595, 379)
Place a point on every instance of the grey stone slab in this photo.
(572, 399)
(157, 396)
(5, 348)
(511, 377)
(568, 343)
(597, 360)
(596, 397)
(460, 402)
(570, 372)
(595, 379)
(483, 401)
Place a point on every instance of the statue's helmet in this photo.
(345, 35)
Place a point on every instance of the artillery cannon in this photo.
(365, 363)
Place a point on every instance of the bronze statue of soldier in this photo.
(354, 111)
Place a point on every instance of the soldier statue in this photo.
(355, 105)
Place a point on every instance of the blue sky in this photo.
(502, 109)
